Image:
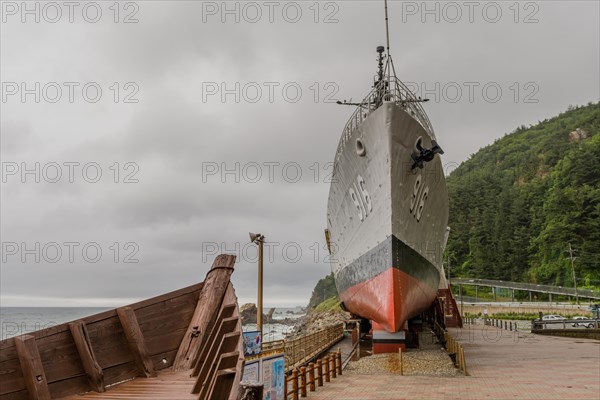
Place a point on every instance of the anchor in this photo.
(425, 155)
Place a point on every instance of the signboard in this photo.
(273, 377)
(252, 343)
(252, 371)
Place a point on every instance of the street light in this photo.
(259, 239)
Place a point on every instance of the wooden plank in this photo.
(216, 332)
(60, 358)
(226, 361)
(11, 376)
(86, 353)
(223, 384)
(210, 300)
(31, 365)
(227, 326)
(229, 343)
(135, 340)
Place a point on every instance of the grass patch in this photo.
(331, 304)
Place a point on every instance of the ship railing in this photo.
(387, 90)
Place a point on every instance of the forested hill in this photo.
(517, 204)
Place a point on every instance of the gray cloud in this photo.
(176, 216)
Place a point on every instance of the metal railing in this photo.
(537, 324)
(559, 290)
(390, 89)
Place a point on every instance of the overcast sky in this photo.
(162, 98)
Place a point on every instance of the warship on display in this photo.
(387, 212)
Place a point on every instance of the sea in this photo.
(17, 321)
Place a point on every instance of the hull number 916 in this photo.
(419, 196)
(361, 198)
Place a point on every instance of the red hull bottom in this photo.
(390, 299)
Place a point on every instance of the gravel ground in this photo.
(429, 360)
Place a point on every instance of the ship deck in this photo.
(502, 365)
(168, 385)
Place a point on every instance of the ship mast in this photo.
(387, 28)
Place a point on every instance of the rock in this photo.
(315, 321)
(248, 313)
(577, 135)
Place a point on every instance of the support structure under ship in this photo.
(387, 212)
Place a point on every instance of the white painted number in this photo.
(361, 198)
(419, 196)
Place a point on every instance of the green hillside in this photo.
(324, 290)
(516, 204)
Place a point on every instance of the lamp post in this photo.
(259, 240)
(573, 270)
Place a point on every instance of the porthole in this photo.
(360, 148)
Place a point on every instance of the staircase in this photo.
(452, 317)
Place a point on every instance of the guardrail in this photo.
(537, 324)
(533, 287)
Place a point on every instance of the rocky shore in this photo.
(314, 321)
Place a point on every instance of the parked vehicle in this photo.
(586, 322)
(551, 317)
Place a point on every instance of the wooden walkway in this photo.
(167, 386)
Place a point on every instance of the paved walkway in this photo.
(501, 364)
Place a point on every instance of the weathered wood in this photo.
(338, 356)
(295, 384)
(227, 326)
(332, 365)
(135, 340)
(320, 372)
(250, 391)
(86, 354)
(223, 384)
(326, 366)
(226, 362)
(228, 344)
(31, 365)
(225, 322)
(311, 377)
(209, 302)
(303, 381)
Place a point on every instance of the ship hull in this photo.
(387, 221)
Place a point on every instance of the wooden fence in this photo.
(456, 351)
(309, 378)
(301, 350)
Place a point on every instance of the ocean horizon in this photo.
(15, 321)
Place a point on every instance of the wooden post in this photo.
(400, 355)
(464, 364)
(339, 361)
(250, 391)
(333, 367)
(303, 381)
(86, 354)
(135, 340)
(209, 303)
(311, 376)
(326, 365)
(33, 370)
(295, 384)
(320, 372)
